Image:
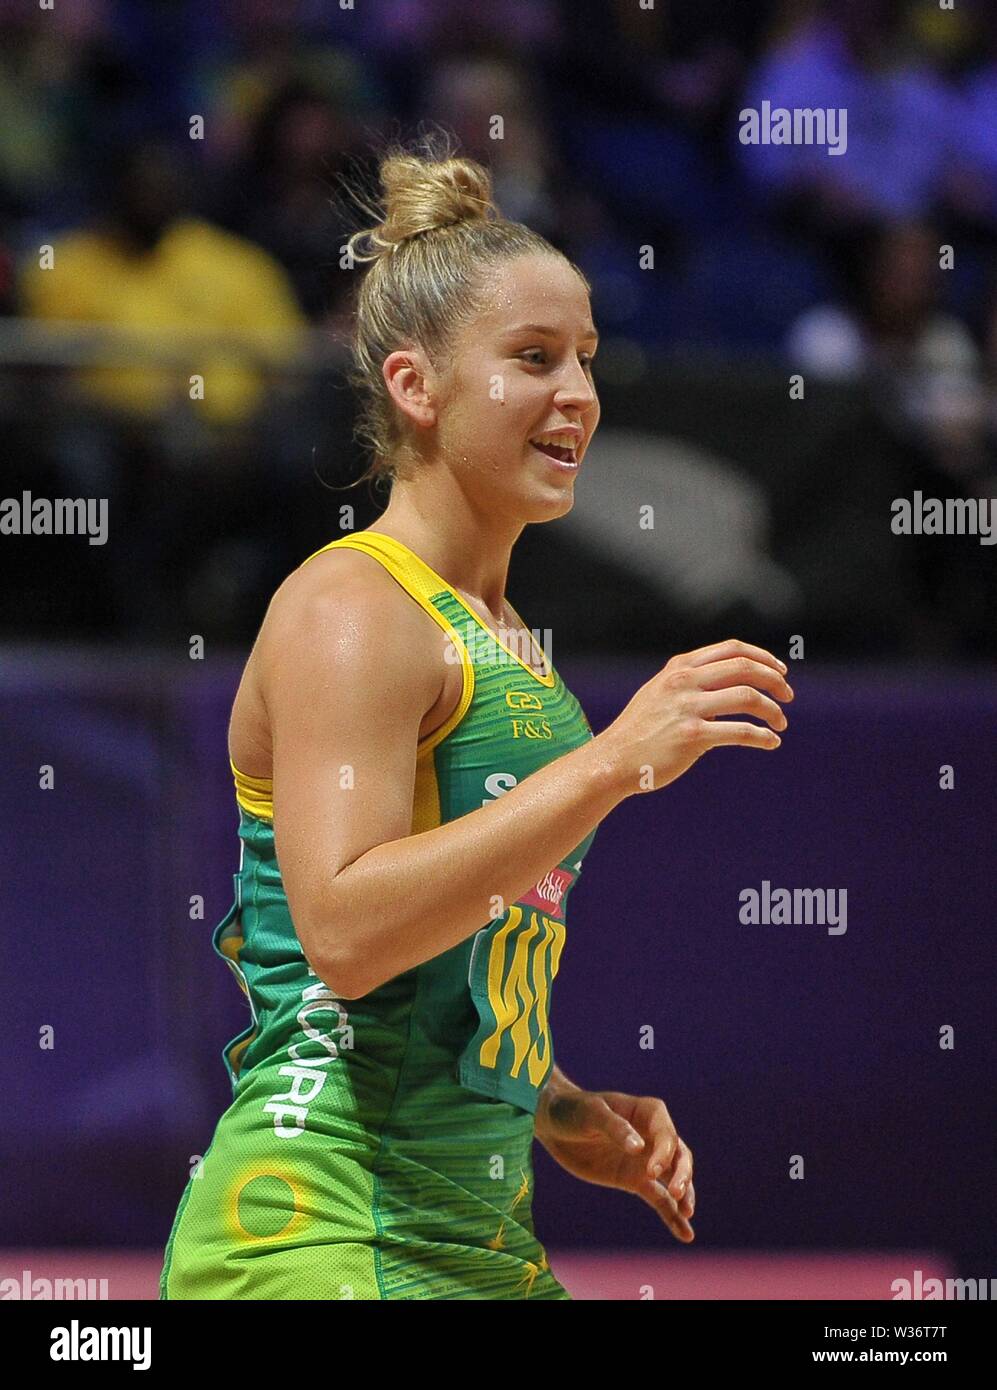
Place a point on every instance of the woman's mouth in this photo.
(558, 448)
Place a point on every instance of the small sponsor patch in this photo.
(549, 893)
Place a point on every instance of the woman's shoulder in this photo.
(303, 606)
(343, 595)
(338, 619)
(331, 576)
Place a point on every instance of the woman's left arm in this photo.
(618, 1140)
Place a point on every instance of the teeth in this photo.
(563, 441)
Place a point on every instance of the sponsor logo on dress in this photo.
(521, 699)
(549, 893)
(531, 728)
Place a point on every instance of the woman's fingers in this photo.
(741, 699)
(652, 1118)
(681, 1173)
(657, 1196)
(733, 647)
(742, 671)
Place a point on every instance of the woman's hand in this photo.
(617, 1140)
(672, 720)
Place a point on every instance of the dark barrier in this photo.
(203, 528)
(770, 1040)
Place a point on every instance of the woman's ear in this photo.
(410, 382)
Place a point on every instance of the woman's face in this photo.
(521, 369)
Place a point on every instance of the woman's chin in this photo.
(551, 501)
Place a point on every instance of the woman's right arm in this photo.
(354, 678)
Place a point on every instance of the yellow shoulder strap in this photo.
(416, 577)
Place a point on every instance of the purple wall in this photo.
(770, 1040)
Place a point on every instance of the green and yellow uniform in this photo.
(381, 1147)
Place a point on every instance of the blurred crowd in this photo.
(182, 161)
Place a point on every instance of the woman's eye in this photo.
(586, 358)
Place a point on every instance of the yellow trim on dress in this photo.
(420, 579)
(255, 794)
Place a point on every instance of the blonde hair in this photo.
(439, 231)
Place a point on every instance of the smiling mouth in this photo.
(561, 451)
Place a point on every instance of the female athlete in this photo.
(416, 797)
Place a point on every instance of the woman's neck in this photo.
(469, 550)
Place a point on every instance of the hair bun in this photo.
(424, 194)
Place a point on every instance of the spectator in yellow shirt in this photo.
(155, 268)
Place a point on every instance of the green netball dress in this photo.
(381, 1147)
